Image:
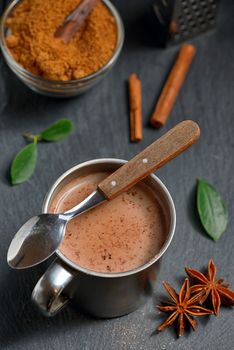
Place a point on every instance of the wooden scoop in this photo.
(74, 21)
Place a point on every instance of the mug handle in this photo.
(48, 292)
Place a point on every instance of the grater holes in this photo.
(203, 24)
(197, 13)
(205, 8)
(185, 32)
(193, 26)
(212, 21)
(200, 20)
(180, 20)
(182, 27)
(195, 16)
(191, 23)
(206, 11)
(177, 37)
(184, 5)
(210, 16)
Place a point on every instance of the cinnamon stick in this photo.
(135, 103)
(73, 22)
(173, 85)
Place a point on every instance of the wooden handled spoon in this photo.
(41, 236)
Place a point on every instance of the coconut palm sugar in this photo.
(33, 45)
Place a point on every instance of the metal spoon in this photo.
(41, 236)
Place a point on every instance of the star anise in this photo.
(182, 308)
(209, 285)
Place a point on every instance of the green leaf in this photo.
(211, 208)
(24, 164)
(57, 131)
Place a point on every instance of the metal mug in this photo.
(101, 294)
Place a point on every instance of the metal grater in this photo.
(178, 20)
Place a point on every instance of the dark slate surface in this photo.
(101, 130)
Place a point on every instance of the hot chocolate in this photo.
(117, 236)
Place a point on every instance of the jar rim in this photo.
(24, 72)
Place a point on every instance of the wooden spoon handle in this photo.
(160, 152)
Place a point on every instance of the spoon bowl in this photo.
(36, 240)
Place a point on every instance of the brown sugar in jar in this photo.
(33, 45)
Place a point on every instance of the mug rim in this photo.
(171, 230)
